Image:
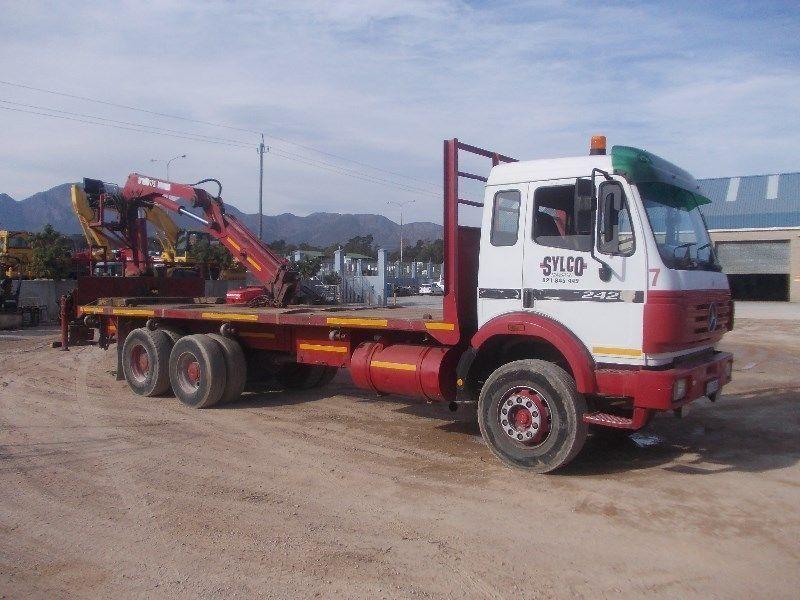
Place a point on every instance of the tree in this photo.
(52, 256)
(281, 247)
(217, 255)
(332, 278)
(360, 244)
(308, 267)
(423, 251)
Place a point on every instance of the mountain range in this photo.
(318, 229)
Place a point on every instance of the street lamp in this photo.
(169, 162)
(401, 205)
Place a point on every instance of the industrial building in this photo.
(755, 226)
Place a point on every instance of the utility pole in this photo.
(402, 205)
(261, 148)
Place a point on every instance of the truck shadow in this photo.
(749, 432)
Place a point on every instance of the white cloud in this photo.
(384, 82)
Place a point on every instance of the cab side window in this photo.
(614, 227)
(554, 219)
(505, 218)
(626, 241)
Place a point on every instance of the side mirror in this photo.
(611, 202)
(585, 204)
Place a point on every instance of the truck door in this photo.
(562, 280)
(501, 253)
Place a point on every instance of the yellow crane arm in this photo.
(166, 231)
(85, 216)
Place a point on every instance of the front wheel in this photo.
(531, 415)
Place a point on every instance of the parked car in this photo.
(401, 291)
(431, 289)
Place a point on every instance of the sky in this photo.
(355, 97)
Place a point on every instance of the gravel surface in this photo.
(336, 493)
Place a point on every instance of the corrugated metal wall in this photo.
(753, 202)
(749, 258)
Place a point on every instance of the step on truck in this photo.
(590, 296)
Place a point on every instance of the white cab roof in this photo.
(549, 168)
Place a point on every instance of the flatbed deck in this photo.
(406, 317)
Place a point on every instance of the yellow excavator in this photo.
(16, 253)
(176, 244)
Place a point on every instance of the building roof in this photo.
(752, 202)
(309, 253)
(357, 256)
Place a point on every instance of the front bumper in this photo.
(653, 388)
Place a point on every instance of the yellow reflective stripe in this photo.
(254, 263)
(92, 310)
(323, 348)
(132, 312)
(357, 322)
(228, 316)
(269, 336)
(120, 312)
(438, 325)
(392, 365)
(613, 351)
(233, 243)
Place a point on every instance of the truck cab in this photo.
(602, 265)
(542, 251)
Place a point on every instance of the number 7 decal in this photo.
(655, 273)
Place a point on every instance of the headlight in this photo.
(679, 389)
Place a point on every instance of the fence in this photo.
(373, 281)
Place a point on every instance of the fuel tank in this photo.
(423, 372)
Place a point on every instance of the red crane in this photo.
(274, 272)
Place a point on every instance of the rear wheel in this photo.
(197, 371)
(235, 367)
(145, 361)
(173, 334)
(531, 415)
(261, 366)
(299, 376)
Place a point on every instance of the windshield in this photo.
(678, 227)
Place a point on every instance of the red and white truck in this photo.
(589, 296)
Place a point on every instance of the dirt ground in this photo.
(340, 494)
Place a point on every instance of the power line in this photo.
(128, 123)
(212, 124)
(318, 162)
(323, 166)
(64, 117)
(142, 128)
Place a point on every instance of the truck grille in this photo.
(680, 320)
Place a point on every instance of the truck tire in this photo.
(260, 366)
(235, 367)
(173, 334)
(531, 415)
(145, 361)
(299, 376)
(197, 371)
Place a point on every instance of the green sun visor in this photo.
(658, 179)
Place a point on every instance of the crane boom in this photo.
(274, 272)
